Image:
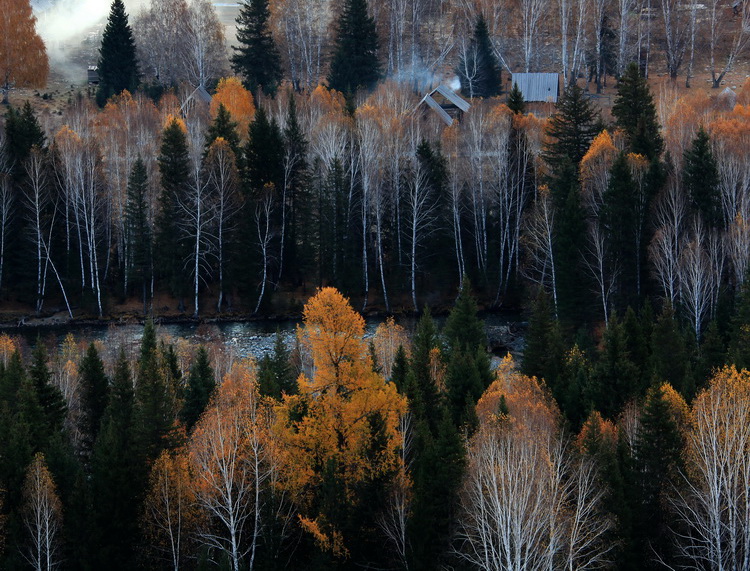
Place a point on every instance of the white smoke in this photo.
(66, 25)
(455, 83)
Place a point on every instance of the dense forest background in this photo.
(619, 439)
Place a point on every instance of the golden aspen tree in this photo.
(237, 100)
(42, 516)
(717, 456)
(170, 512)
(23, 55)
(234, 463)
(342, 429)
(389, 336)
(527, 502)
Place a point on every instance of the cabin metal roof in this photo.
(538, 86)
(452, 97)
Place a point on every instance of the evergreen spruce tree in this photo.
(49, 396)
(264, 153)
(354, 64)
(541, 356)
(154, 412)
(116, 480)
(658, 468)
(478, 70)
(170, 247)
(738, 351)
(437, 472)
(22, 132)
(612, 377)
(257, 57)
(138, 228)
(94, 395)
(118, 65)
(468, 373)
(635, 114)
(572, 128)
(516, 102)
(400, 369)
(701, 179)
(200, 385)
(299, 247)
(573, 283)
(618, 216)
(712, 354)
(463, 328)
(224, 127)
(275, 372)
(670, 357)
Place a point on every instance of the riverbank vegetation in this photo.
(399, 451)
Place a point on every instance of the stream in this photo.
(247, 338)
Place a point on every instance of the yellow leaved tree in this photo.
(340, 435)
(23, 55)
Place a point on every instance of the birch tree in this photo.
(728, 37)
(232, 460)
(715, 502)
(170, 512)
(42, 516)
(224, 180)
(538, 242)
(527, 503)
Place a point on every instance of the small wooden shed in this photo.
(446, 103)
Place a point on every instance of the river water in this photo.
(245, 338)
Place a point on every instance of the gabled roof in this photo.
(538, 86)
(450, 96)
(198, 94)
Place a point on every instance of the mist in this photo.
(67, 25)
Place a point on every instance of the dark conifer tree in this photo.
(170, 247)
(712, 355)
(22, 132)
(200, 385)
(154, 402)
(635, 114)
(275, 372)
(264, 153)
(701, 179)
(116, 479)
(738, 351)
(49, 396)
(542, 354)
(118, 65)
(612, 377)
(138, 228)
(400, 369)
(516, 102)
(354, 64)
(94, 395)
(618, 216)
(670, 358)
(573, 283)
(224, 127)
(299, 250)
(572, 128)
(478, 69)
(257, 57)
(658, 468)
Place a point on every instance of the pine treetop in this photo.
(257, 57)
(355, 64)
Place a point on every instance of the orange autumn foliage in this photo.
(237, 100)
(528, 401)
(330, 421)
(23, 55)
